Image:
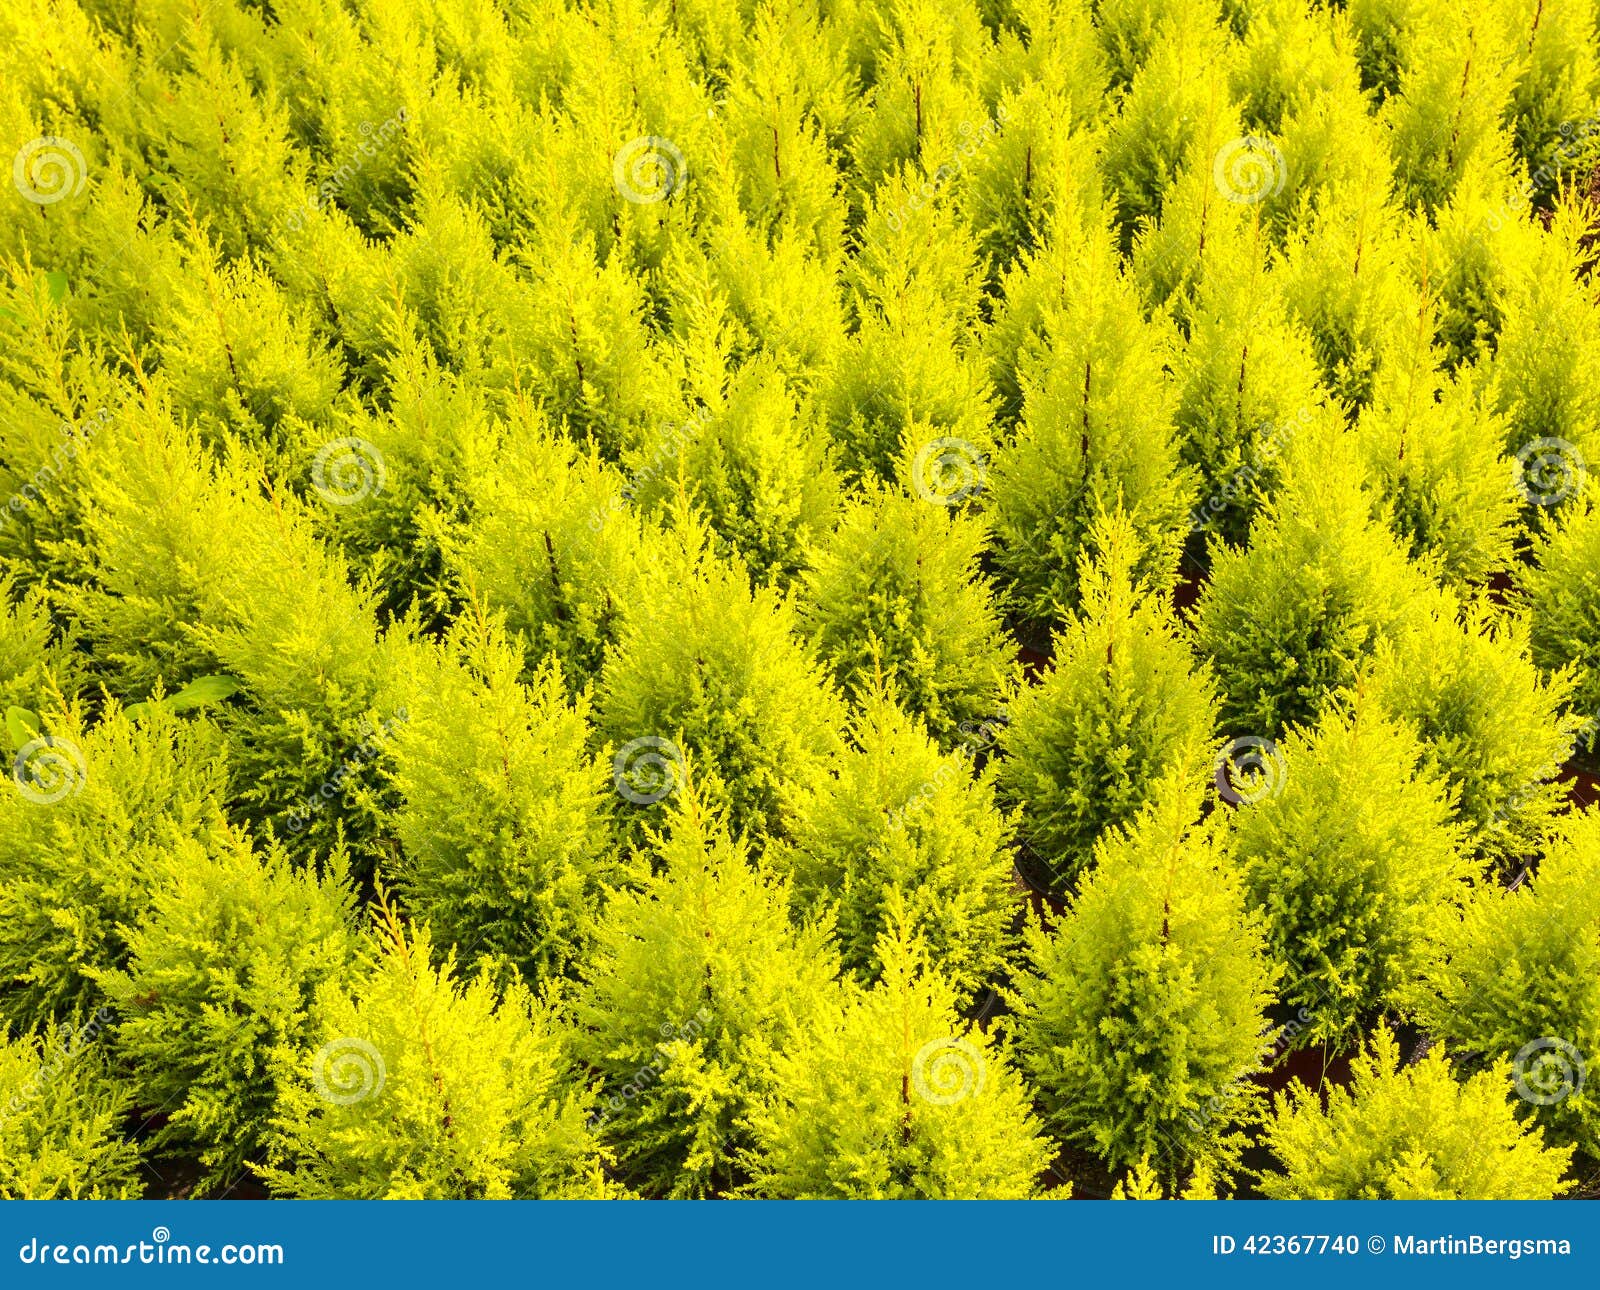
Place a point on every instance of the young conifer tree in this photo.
(694, 985)
(759, 467)
(238, 356)
(1122, 705)
(1550, 394)
(1554, 95)
(1057, 45)
(905, 827)
(1348, 849)
(165, 600)
(889, 1096)
(337, 101)
(1247, 384)
(559, 560)
(421, 1086)
(1042, 276)
(1201, 229)
(911, 374)
(88, 819)
(1143, 1015)
(325, 261)
(1521, 982)
(215, 1001)
(445, 284)
(1176, 87)
(897, 588)
(1130, 34)
(1435, 452)
(1292, 618)
(1385, 34)
(777, 110)
(1346, 282)
(923, 96)
(1041, 165)
(583, 332)
(61, 1117)
(1096, 435)
(708, 669)
(1409, 1133)
(1490, 721)
(783, 293)
(433, 423)
(504, 827)
(215, 145)
(1469, 258)
(585, 61)
(1562, 594)
(1453, 93)
(323, 683)
(130, 592)
(60, 398)
(1335, 152)
(1291, 56)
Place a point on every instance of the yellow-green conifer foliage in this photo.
(1409, 1133)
